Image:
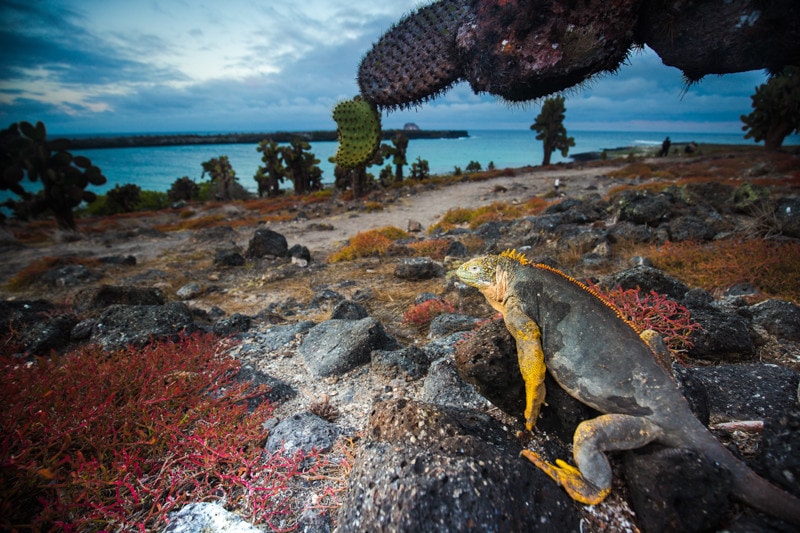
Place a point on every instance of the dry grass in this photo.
(433, 248)
(372, 243)
(31, 274)
(773, 267)
(494, 212)
(733, 167)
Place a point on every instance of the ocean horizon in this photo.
(156, 168)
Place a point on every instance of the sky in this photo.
(122, 66)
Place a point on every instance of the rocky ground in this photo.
(431, 451)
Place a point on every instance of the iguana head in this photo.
(479, 272)
(490, 275)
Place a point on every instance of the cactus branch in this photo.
(526, 49)
(416, 59)
(359, 128)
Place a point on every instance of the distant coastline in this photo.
(677, 148)
(137, 141)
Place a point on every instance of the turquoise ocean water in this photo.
(156, 168)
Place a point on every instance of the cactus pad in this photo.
(516, 49)
(359, 129)
(416, 59)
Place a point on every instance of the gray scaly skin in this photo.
(601, 360)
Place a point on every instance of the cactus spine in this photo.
(416, 59)
(359, 128)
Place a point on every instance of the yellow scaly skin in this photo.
(489, 276)
(601, 360)
(480, 273)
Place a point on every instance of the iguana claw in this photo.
(570, 479)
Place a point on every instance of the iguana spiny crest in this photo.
(487, 273)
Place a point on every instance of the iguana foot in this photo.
(570, 479)
(533, 404)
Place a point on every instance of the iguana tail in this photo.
(749, 487)
(760, 494)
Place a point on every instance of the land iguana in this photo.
(600, 359)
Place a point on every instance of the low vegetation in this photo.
(370, 243)
(422, 314)
(32, 273)
(494, 212)
(95, 441)
(656, 312)
(114, 441)
(770, 266)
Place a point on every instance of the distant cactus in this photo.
(25, 150)
(398, 152)
(474, 166)
(549, 127)
(272, 173)
(420, 169)
(221, 172)
(302, 167)
(359, 128)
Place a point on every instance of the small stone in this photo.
(207, 516)
(229, 257)
(418, 268)
(232, 325)
(300, 252)
(603, 249)
(349, 310)
(189, 291)
(298, 261)
(638, 260)
(267, 242)
(303, 431)
(457, 249)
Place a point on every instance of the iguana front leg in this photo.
(529, 355)
(660, 351)
(590, 482)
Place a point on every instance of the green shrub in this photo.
(183, 190)
(474, 166)
(123, 198)
(152, 201)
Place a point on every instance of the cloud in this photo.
(57, 40)
(89, 72)
(175, 65)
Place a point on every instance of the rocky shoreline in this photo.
(135, 141)
(435, 417)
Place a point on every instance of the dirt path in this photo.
(320, 235)
(428, 206)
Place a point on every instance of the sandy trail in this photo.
(323, 235)
(428, 206)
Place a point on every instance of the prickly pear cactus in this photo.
(516, 49)
(415, 60)
(359, 129)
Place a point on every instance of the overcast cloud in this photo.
(94, 66)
